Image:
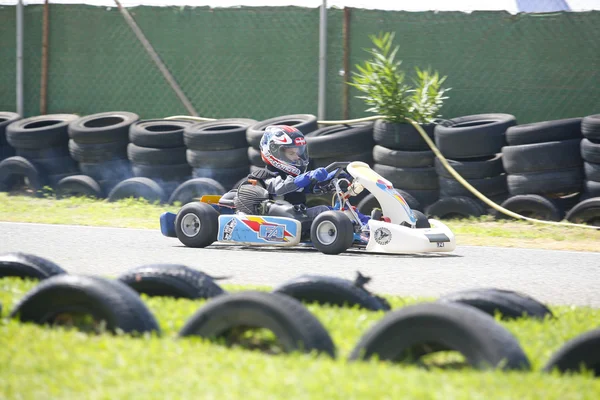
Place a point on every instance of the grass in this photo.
(140, 214)
(40, 362)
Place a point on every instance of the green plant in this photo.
(383, 83)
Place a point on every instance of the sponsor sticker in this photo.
(299, 141)
(228, 229)
(382, 236)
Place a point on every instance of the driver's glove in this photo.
(319, 174)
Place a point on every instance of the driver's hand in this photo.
(319, 174)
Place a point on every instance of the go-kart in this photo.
(248, 216)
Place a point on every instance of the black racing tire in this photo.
(587, 212)
(546, 131)
(422, 220)
(156, 156)
(340, 140)
(532, 206)
(222, 134)
(456, 207)
(411, 332)
(305, 123)
(197, 225)
(328, 290)
(538, 157)
(401, 136)
(590, 151)
(473, 135)
(108, 300)
(40, 131)
(106, 127)
(403, 158)
(546, 183)
(14, 170)
(484, 167)
(171, 280)
(79, 185)
(332, 232)
(591, 171)
(296, 329)
(26, 265)
(138, 187)
(581, 351)
(195, 188)
(493, 186)
(97, 152)
(508, 303)
(421, 178)
(590, 127)
(158, 133)
(232, 158)
(369, 202)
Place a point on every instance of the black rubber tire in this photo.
(422, 220)
(227, 177)
(403, 158)
(222, 134)
(369, 202)
(46, 152)
(305, 123)
(195, 188)
(401, 136)
(106, 299)
(114, 171)
(55, 166)
(106, 127)
(233, 158)
(581, 351)
(208, 219)
(340, 140)
(15, 168)
(493, 186)
(590, 127)
(255, 158)
(416, 330)
(546, 183)
(79, 185)
(156, 156)
(587, 211)
(591, 171)
(422, 178)
(158, 133)
(455, 207)
(295, 327)
(538, 157)
(590, 189)
(364, 156)
(546, 131)
(97, 152)
(329, 290)
(344, 231)
(175, 172)
(6, 118)
(486, 167)
(590, 151)
(39, 131)
(533, 206)
(510, 304)
(26, 265)
(139, 187)
(473, 135)
(171, 280)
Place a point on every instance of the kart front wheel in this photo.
(197, 224)
(332, 232)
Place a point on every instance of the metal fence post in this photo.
(322, 60)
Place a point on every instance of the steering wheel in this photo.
(339, 165)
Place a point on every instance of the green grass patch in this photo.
(132, 213)
(39, 362)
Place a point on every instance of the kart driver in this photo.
(284, 150)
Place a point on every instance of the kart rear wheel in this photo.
(197, 224)
(332, 232)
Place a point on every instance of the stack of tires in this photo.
(472, 146)
(99, 143)
(403, 157)
(6, 118)
(305, 123)
(42, 152)
(544, 168)
(218, 150)
(590, 153)
(157, 151)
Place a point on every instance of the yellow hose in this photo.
(442, 159)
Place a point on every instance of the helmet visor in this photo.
(294, 155)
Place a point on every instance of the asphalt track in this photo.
(556, 277)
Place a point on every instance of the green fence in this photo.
(264, 62)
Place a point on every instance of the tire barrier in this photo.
(558, 160)
(582, 351)
(30, 266)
